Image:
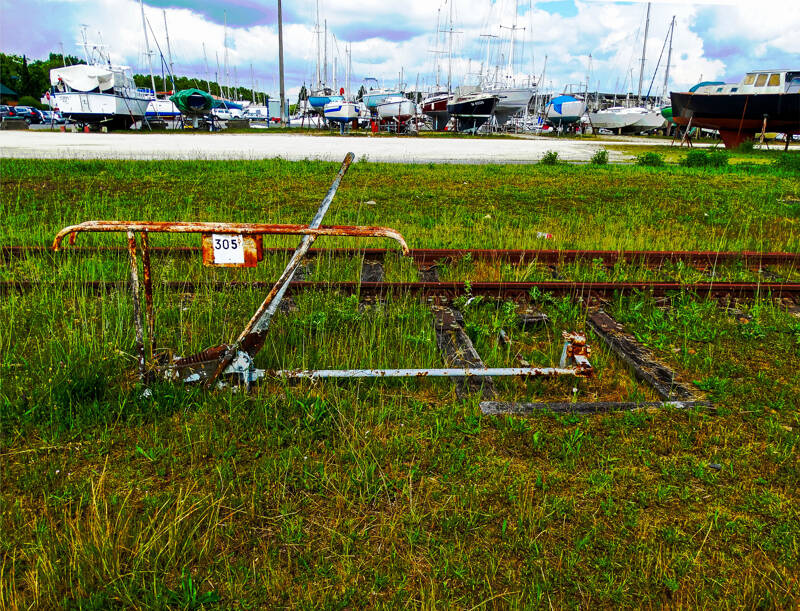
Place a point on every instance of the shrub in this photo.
(788, 161)
(600, 157)
(650, 159)
(549, 158)
(746, 146)
(28, 100)
(705, 159)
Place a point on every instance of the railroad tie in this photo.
(643, 362)
(458, 351)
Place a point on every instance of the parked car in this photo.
(31, 115)
(51, 116)
(7, 111)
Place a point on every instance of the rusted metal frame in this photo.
(447, 372)
(229, 228)
(137, 312)
(148, 291)
(252, 336)
(498, 408)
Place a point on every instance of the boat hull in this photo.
(319, 101)
(162, 109)
(373, 100)
(565, 113)
(397, 110)
(511, 101)
(436, 109)
(341, 112)
(738, 117)
(107, 108)
(472, 112)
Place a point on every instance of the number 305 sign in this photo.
(226, 250)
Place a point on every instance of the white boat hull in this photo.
(343, 112)
(397, 109)
(162, 109)
(570, 112)
(100, 107)
(510, 101)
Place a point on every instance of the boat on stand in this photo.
(471, 108)
(341, 110)
(764, 100)
(396, 108)
(435, 106)
(98, 95)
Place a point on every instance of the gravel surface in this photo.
(126, 145)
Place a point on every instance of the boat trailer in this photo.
(241, 245)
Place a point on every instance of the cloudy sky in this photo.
(713, 40)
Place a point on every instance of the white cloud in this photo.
(609, 30)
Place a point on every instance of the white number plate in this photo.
(228, 248)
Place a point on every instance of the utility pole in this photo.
(280, 64)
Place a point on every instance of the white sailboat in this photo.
(638, 118)
(512, 97)
(341, 109)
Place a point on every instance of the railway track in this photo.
(432, 256)
(450, 290)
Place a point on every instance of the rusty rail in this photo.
(430, 256)
(501, 290)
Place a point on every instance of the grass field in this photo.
(389, 493)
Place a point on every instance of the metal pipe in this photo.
(148, 291)
(137, 313)
(252, 337)
(230, 228)
(427, 373)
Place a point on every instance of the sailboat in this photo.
(434, 105)
(512, 97)
(638, 118)
(322, 94)
(342, 110)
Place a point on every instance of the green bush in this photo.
(788, 161)
(600, 157)
(549, 158)
(28, 100)
(705, 159)
(746, 146)
(650, 159)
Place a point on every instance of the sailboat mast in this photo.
(349, 51)
(205, 58)
(280, 65)
(252, 85)
(147, 48)
(325, 66)
(169, 52)
(450, 53)
(436, 47)
(319, 46)
(225, 59)
(669, 60)
(644, 53)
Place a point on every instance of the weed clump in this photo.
(650, 160)
(787, 161)
(746, 147)
(705, 159)
(549, 158)
(600, 157)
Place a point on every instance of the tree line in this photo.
(31, 79)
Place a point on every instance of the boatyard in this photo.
(460, 339)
